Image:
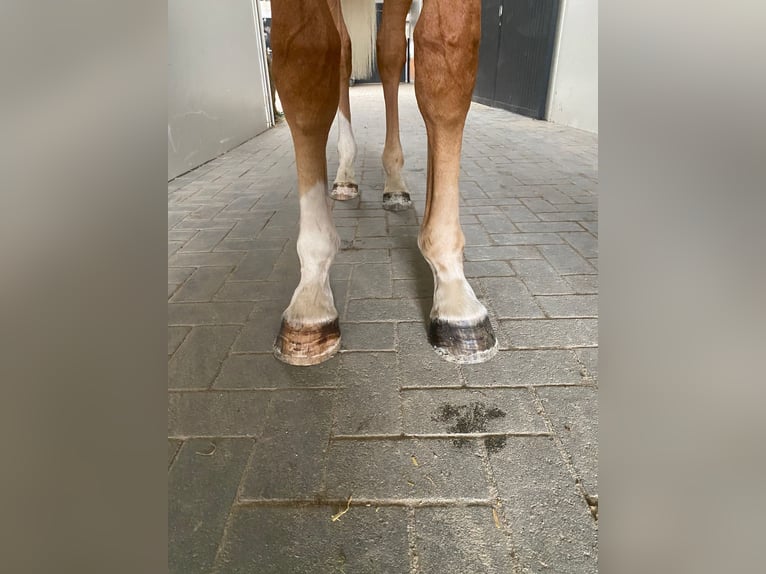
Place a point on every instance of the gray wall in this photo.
(217, 97)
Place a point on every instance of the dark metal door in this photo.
(527, 34)
(490, 42)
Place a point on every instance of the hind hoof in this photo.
(462, 341)
(397, 201)
(307, 344)
(344, 191)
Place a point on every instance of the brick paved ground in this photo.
(262, 455)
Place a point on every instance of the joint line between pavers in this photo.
(442, 436)
(365, 502)
(252, 389)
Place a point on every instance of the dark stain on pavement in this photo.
(471, 418)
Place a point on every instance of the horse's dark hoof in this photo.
(397, 201)
(307, 344)
(463, 341)
(343, 191)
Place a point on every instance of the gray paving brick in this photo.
(501, 253)
(204, 482)
(173, 446)
(496, 223)
(382, 469)
(583, 242)
(306, 540)
(417, 363)
(174, 246)
(220, 259)
(178, 275)
(255, 291)
(573, 412)
(413, 289)
(569, 216)
(477, 235)
(224, 313)
(176, 335)
(461, 540)
(583, 284)
(260, 244)
(382, 310)
(551, 527)
(265, 371)
(569, 305)
(362, 256)
(372, 227)
(564, 259)
(591, 226)
(549, 367)
(540, 277)
(487, 269)
(204, 240)
(215, 223)
(369, 402)
(589, 358)
(526, 238)
(197, 361)
(371, 280)
(413, 266)
(547, 333)
(202, 284)
(368, 337)
(424, 411)
(548, 227)
(520, 213)
(509, 298)
(261, 329)
(538, 205)
(256, 265)
(288, 459)
(216, 413)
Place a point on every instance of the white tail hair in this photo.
(361, 22)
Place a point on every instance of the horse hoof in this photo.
(307, 344)
(397, 201)
(344, 191)
(463, 341)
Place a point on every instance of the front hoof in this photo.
(307, 344)
(463, 341)
(397, 201)
(344, 191)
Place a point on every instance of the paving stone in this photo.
(384, 469)
(369, 402)
(362, 256)
(382, 310)
(202, 285)
(573, 412)
(306, 540)
(509, 298)
(551, 527)
(288, 459)
(178, 275)
(540, 278)
(548, 227)
(487, 269)
(584, 284)
(255, 291)
(564, 259)
(438, 411)
(520, 213)
(224, 313)
(176, 336)
(260, 244)
(222, 259)
(417, 362)
(197, 361)
(526, 238)
(203, 483)
(589, 358)
(264, 371)
(371, 280)
(547, 333)
(256, 265)
(216, 413)
(496, 223)
(583, 242)
(501, 253)
(205, 240)
(368, 337)
(550, 367)
(569, 305)
(173, 446)
(538, 205)
(174, 246)
(461, 540)
(371, 227)
(260, 330)
(569, 216)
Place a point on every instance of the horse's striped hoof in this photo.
(344, 191)
(307, 344)
(397, 201)
(463, 341)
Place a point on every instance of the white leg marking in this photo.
(346, 151)
(318, 242)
